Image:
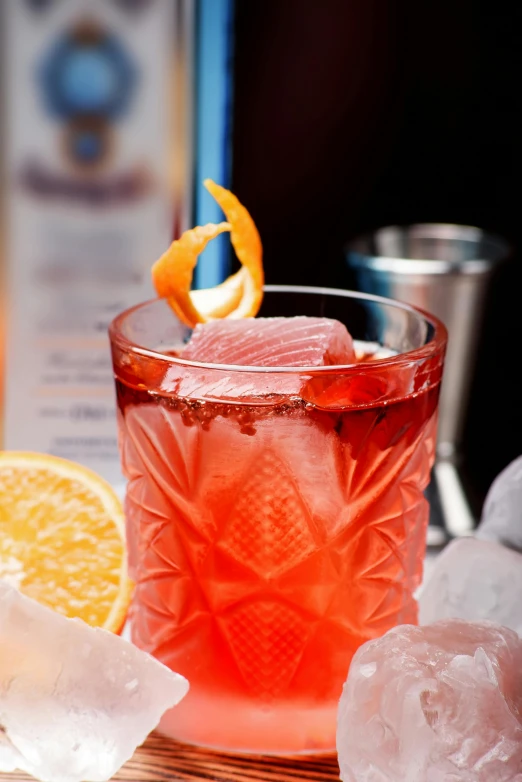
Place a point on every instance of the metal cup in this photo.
(444, 269)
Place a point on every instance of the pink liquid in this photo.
(267, 543)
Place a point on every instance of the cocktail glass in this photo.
(275, 517)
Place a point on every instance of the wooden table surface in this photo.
(162, 760)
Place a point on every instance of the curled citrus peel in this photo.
(241, 294)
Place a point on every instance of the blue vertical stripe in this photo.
(214, 85)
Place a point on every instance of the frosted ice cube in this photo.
(271, 342)
(75, 701)
(474, 579)
(221, 385)
(502, 512)
(440, 703)
(262, 342)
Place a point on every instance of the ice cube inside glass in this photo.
(275, 515)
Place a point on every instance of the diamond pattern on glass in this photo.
(269, 526)
(268, 578)
(267, 639)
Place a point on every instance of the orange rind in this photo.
(240, 296)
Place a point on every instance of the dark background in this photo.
(354, 114)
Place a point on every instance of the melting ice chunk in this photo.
(75, 701)
(502, 512)
(441, 703)
(477, 580)
(260, 342)
(271, 342)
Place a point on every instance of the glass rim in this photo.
(432, 348)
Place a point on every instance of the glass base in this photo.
(240, 728)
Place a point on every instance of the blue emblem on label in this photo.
(88, 80)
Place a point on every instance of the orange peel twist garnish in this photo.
(240, 296)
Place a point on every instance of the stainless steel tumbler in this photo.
(444, 269)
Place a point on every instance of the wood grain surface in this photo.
(162, 760)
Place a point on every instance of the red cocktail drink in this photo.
(275, 515)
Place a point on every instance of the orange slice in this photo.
(240, 296)
(62, 538)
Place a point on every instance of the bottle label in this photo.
(90, 205)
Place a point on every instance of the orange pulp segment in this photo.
(62, 538)
(241, 294)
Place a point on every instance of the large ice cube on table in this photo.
(441, 703)
(260, 342)
(476, 580)
(501, 519)
(75, 701)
